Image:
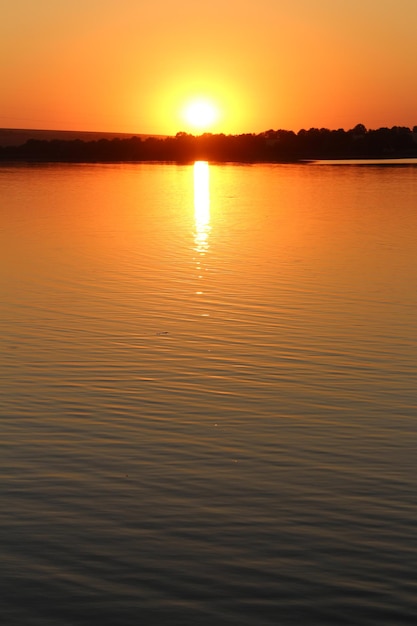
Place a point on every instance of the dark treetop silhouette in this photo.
(275, 146)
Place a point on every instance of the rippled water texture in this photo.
(208, 395)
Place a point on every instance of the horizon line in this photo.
(6, 129)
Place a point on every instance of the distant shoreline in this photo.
(19, 136)
(272, 146)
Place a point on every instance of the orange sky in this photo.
(131, 65)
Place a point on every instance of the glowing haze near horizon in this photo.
(123, 66)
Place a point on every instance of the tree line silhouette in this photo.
(277, 146)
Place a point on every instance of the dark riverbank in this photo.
(270, 146)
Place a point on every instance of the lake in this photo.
(208, 408)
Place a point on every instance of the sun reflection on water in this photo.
(201, 206)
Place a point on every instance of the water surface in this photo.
(208, 400)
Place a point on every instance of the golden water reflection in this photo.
(201, 206)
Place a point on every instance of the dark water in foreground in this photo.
(208, 409)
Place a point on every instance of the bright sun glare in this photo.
(200, 114)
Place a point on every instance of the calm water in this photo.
(208, 395)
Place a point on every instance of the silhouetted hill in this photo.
(274, 146)
(19, 136)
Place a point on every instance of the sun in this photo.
(200, 114)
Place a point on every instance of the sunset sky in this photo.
(136, 65)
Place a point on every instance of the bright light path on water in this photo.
(201, 204)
